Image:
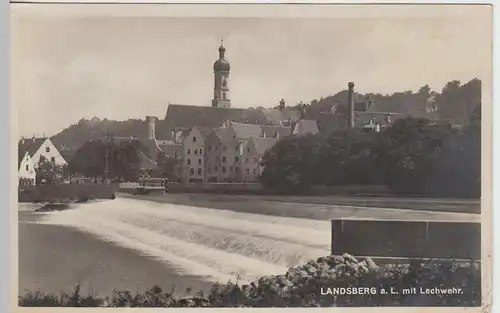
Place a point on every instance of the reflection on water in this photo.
(214, 244)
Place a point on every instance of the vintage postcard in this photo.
(242, 156)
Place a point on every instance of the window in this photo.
(223, 169)
(191, 171)
(255, 159)
(216, 168)
(189, 161)
(246, 160)
(216, 148)
(199, 171)
(236, 159)
(53, 159)
(195, 151)
(255, 171)
(201, 151)
(199, 161)
(248, 171)
(248, 149)
(27, 167)
(223, 159)
(209, 148)
(189, 151)
(47, 149)
(194, 139)
(236, 148)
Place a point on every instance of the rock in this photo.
(349, 258)
(322, 260)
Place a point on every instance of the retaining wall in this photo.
(407, 239)
(66, 192)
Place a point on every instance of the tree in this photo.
(291, 165)
(49, 172)
(121, 159)
(166, 166)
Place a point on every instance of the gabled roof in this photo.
(304, 127)
(275, 117)
(20, 157)
(30, 145)
(205, 131)
(206, 116)
(270, 131)
(245, 131)
(263, 144)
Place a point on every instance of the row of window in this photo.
(224, 159)
(189, 161)
(195, 151)
(236, 168)
(191, 171)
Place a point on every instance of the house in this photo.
(194, 149)
(29, 153)
(252, 156)
(38, 147)
(213, 155)
(26, 170)
(234, 137)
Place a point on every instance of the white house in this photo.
(29, 153)
(26, 170)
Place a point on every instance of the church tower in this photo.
(221, 80)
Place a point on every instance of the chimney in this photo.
(151, 121)
(350, 101)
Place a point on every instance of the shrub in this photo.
(302, 287)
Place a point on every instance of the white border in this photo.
(9, 168)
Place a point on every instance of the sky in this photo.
(68, 67)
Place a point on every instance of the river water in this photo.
(211, 245)
(134, 244)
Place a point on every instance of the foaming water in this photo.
(216, 245)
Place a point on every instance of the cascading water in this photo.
(216, 245)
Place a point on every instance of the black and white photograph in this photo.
(250, 155)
